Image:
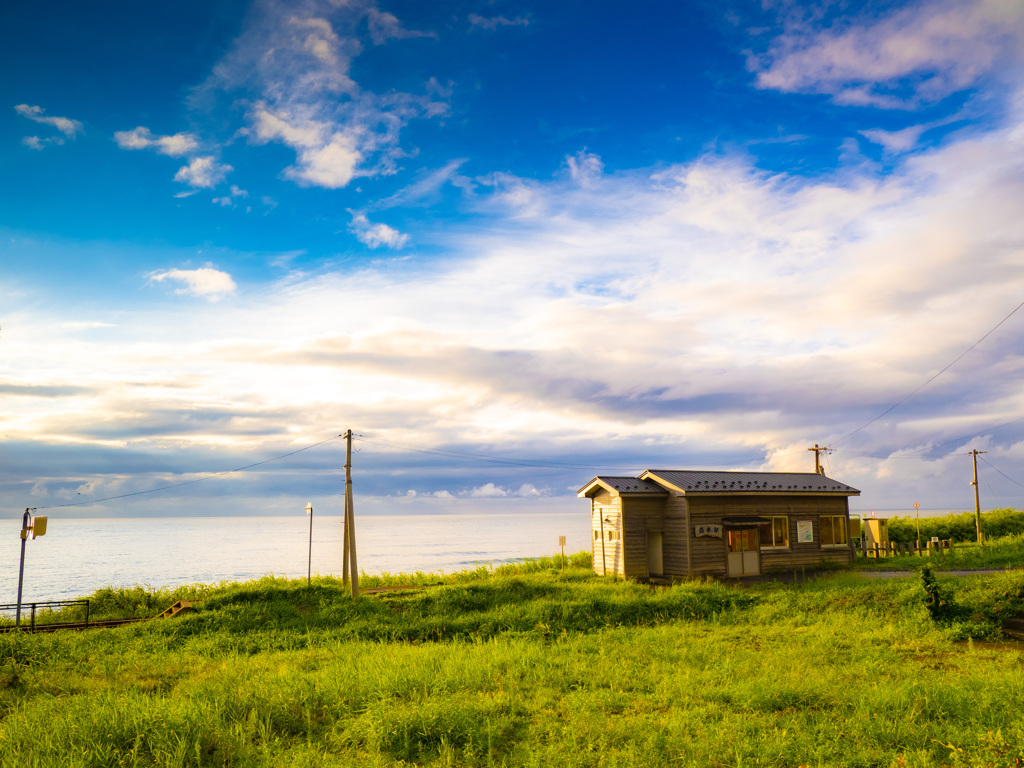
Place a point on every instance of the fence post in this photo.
(32, 623)
(86, 614)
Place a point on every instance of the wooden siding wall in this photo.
(709, 553)
(610, 507)
(676, 541)
(641, 514)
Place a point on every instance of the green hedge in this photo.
(958, 527)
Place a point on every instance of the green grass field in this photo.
(525, 665)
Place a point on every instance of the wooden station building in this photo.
(672, 522)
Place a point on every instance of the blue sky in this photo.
(587, 238)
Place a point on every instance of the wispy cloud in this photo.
(205, 282)
(493, 22)
(386, 26)
(204, 172)
(175, 145)
(921, 52)
(427, 186)
(376, 235)
(65, 125)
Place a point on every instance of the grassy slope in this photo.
(530, 669)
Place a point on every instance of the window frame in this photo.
(844, 526)
(771, 529)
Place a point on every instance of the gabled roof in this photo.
(618, 486)
(690, 481)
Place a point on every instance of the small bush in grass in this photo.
(936, 599)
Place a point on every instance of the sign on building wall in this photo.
(710, 529)
(805, 531)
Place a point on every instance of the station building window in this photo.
(833, 530)
(774, 534)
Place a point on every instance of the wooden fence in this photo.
(896, 549)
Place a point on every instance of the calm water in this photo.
(76, 557)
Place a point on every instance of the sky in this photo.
(511, 245)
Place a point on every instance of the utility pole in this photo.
(977, 501)
(349, 568)
(818, 469)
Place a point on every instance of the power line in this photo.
(519, 462)
(880, 457)
(188, 482)
(1003, 473)
(933, 378)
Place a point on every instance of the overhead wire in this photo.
(509, 461)
(930, 380)
(986, 461)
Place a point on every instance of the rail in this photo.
(31, 608)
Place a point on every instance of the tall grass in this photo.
(528, 668)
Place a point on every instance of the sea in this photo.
(78, 556)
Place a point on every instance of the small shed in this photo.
(677, 522)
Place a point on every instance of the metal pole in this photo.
(309, 571)
(21, 568)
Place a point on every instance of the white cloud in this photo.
(895, 141)
(70, 128)
(923, 51)
(34, 142)
(205, 282)
(229, 199)
(376, 235)
(584, 168)
(176, 145)
(490, 490)
(296, 62)
(204, 172)
(493, 22)
(326, 157)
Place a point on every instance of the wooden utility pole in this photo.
(977, 500)
(818, 470)
(349, 567)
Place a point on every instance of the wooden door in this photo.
(655, 559)
(744, 556)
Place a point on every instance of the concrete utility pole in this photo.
(818, 469)
(349, 567)
(977, 501)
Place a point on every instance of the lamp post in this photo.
(309, 572)
(917, 511)
(38, 528)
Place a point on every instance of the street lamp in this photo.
(37, 528)
(309, 572)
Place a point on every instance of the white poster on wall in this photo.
(805, 531)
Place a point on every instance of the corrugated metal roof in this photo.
(630, 484)
(751, 482)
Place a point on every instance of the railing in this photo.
(31, 608)
(897, 549)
